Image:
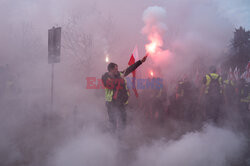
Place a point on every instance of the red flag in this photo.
(131, 62)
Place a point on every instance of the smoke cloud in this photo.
(155, 27)
(212, 146)
(92, 148)
(76, 131)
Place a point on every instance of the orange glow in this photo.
(155, 43)
(151, 48)
(152, 73)
(154, 49)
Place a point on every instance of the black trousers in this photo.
(213, 108)
(158, 107)
(117, 115)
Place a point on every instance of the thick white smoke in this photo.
(154, 18)
(90, 148)
(188, 29)
(212, 146)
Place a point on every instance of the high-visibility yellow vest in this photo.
(110, 92)
(228, 82)
(208, 78)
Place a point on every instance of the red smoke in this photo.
(155, 43)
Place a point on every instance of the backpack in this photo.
(214, 86)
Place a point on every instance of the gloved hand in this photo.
(144, 58)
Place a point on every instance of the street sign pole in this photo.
(52, 87)
(54, 51)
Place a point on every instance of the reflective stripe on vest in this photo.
(108, 94)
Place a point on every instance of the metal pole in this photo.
(52, 87)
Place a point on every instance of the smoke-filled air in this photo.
(125, 83)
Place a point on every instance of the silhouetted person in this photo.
(116, 92)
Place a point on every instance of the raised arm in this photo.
(134, 66)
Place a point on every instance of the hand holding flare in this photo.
(144, 58)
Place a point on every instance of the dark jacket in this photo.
(118, 84)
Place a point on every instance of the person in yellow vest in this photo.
(117, 94)
(213, 95)
(244, 101)
(244, 95)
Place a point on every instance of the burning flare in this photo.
(155, 44)
(154, 18)
(152, 74)
(107, 59)
(151, 48)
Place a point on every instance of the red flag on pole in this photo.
(131, 62)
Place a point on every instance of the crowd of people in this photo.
(213, 100)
